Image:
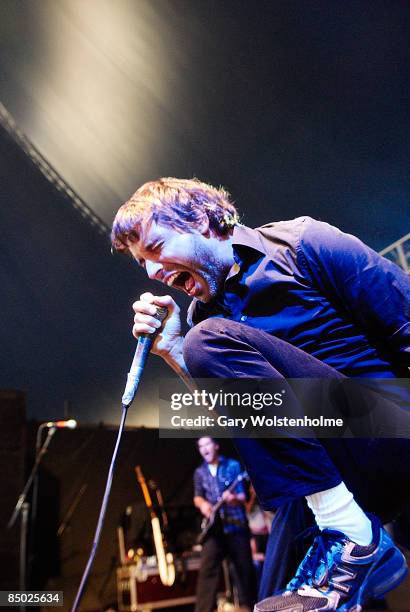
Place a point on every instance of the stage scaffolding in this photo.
(399, 252)
(9, 124)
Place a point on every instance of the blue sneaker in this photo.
(337, 574)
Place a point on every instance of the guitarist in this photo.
(229, 536)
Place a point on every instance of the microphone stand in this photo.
(72, 508)
(34, 496)
(23, 507)
(23, 494)
(34, 507)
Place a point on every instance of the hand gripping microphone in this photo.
(144, 345)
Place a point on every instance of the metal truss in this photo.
(11, 127)
(399, 253)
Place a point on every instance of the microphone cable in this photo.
(103, 510)
(141, 353)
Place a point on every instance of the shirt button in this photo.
(243, 318)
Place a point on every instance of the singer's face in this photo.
(193, 262)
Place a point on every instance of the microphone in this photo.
(144, 345)
(70, 424)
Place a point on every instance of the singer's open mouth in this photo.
(183, 281)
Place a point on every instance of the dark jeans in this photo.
(235, 547)
(284, 470)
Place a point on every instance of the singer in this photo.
(297, 299)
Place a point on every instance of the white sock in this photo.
(337, 509)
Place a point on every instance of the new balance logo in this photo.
(342, 574)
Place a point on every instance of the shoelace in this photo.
(318, 555)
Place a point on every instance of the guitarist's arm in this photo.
(234, 499)
(203, 505)
(200, 501)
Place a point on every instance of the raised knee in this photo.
(197, 347)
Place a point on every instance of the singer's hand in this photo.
(145, 322)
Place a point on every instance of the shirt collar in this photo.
(246, 244)
(221, 461)
(245, 240)
(244, 236)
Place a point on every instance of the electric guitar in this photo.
(208, 523)
(166, 565)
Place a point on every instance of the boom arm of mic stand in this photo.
(23, 494)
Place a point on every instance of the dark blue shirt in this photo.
(321, 290)
(211, 488)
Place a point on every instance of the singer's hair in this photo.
(176, 203)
